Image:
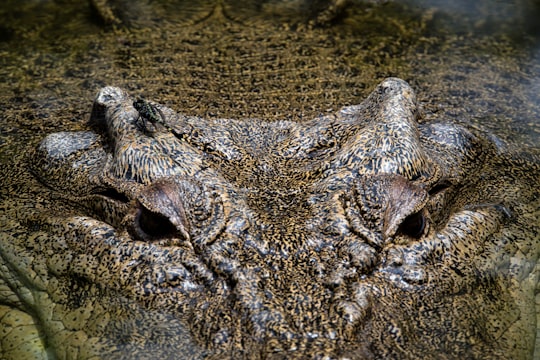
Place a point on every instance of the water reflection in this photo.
(469, 60)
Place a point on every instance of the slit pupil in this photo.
(437, 188)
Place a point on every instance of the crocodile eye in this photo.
(151, 225)
(413, 225)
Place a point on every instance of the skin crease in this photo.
(355, 235)
(259, 228)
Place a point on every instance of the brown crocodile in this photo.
(356, 235)
(375, 231)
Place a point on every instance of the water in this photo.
(477, 62)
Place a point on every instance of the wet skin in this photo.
(365, 234)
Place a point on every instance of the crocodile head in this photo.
(365, 234)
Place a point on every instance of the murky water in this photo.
(475, 62)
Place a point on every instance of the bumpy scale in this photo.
(361, 235)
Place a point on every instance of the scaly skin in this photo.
(362, 235)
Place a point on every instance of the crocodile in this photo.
(374, 231)
(360, 234)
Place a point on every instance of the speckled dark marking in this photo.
(360, 234)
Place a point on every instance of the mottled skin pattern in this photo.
(360, 235)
